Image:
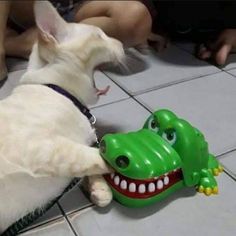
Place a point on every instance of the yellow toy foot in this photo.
(217, 171)
(208, 191)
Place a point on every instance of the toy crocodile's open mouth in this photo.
(136, 188)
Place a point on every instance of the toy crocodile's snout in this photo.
(146, 166)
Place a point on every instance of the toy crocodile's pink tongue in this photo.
(103, 91)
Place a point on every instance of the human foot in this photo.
(221, 48)
(158, 41)
(142, 48)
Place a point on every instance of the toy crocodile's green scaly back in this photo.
(168, 153)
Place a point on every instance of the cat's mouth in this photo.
(102, 91)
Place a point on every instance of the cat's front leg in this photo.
(65, 158)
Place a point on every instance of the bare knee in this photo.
(134, 22)
(128, 21)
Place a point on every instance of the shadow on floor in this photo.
(133, 64)
(2, 82)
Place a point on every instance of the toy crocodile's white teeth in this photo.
(144, 188)
(132, 187)
(151, 188)
(160, 184)
(112, 175)
(123, 184)
(141, 188)
(117, 180)
(166, 180)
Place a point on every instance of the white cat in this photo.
(45, 139)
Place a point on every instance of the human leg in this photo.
(4, 11)
(20, 45)
(128, 21)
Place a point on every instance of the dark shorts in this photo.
(187, 17)
(67, 8)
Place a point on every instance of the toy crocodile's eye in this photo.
(122, 161)
(169, 136)
(102, 146)
(153, 125)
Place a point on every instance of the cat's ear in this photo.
(51, 26)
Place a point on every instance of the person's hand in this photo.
(219, 49)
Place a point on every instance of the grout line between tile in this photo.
(160, 86)
(232, 68)
(226, 152)
(124, 90)
(74, 211)
(67, 220)
(228, 72)
(130, 95)
(109, 103)
(81, 209)
(133, 95)
(227, 170)
(41, 224)
(172, 84)
(145, 107)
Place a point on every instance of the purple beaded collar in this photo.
(75, 101)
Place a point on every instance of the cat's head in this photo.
(80, 47)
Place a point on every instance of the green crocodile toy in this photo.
(166, 155)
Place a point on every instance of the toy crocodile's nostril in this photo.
(122, 161)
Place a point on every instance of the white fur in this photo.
(45, 139)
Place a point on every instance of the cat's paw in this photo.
(100, 192)
(101, 197)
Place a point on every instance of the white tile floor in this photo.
(195, 90)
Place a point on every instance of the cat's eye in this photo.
(170, 136)
(122, 162)
(102, 146)
(153, 125)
